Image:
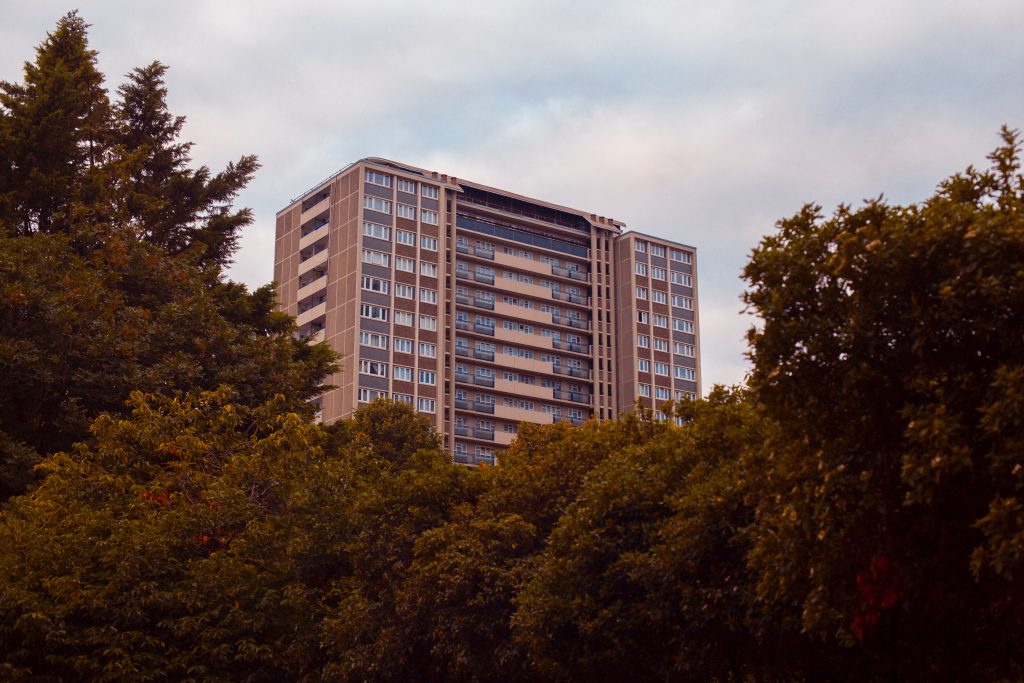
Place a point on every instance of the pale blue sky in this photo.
(701, 122)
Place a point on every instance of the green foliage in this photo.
(110, 255)
(891, 357)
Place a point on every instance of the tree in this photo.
(890, 355)
(55, 135)
(111, 250)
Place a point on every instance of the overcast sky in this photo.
(702, 122)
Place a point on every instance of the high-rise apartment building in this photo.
(483, 308)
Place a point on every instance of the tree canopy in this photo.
(111, 257)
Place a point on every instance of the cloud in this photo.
(701, 122)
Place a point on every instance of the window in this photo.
(641, 293)
(374, 312)
(661, 369)
(682, 326)
(426, 405)
(402, 398)
(662, 393)
(660, 344)
(375, 178)
(403, 291)
(643, 365)
(510, 428)
(428, 296)
(375, 284)
(381, 232)
(641, 269)
(405, 264)
(643, 341)
(684, 349)
(659, 297)
(660, 320)
(407, 186)
(428, 191)
(686, 373)
(687, 303)
(406, 211)
(428, 269)
(428, 322)
(517, 327)
(376, 258)
(645, 390)
(658, 273)
(403, 318)
(657, 250)
(428, 216)
(681, 256)
(575, 413)
(372, 367)
(403, 373)
(427, 242)
(405, 237)
(643, 317)
(402, 345)
(682, 279)
(377, 341)
(376, 204)
(367, 395)
(641, 246)
(428, 350)
(428, 377)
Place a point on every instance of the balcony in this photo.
(483, 329)
(575, 323)
(482, 381)
(462, 325)
(574, 420)
(462, 377)
(568, 346)
(311, 314)
(574, 274)
(462, 299)
(576, 396)
(483, 407)
(462, 404)
(310, 262)
(475, 251)
(485, 278)
(481, 354)
(463, 351)
(571, 298)
(571, 372)
(461, 430)
(480, 302)
(481, 433)
(322, 204)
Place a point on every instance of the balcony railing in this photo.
(569, 346)
(484, 329)
(571, 322)
(463, 351)
(462, 403)
(483, 355)
(483, 407)
(481, 433)
(462, 377)
(571, 372)
(462, 299)
(475, 251)
(482, 381)
(574, 420)
(484, 303)
(485, 278)
(576, 396)
(462, 325)
(574, 274)
(313, 229)
(572, 298)
(461, 430)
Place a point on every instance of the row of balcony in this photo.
(483, 354)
